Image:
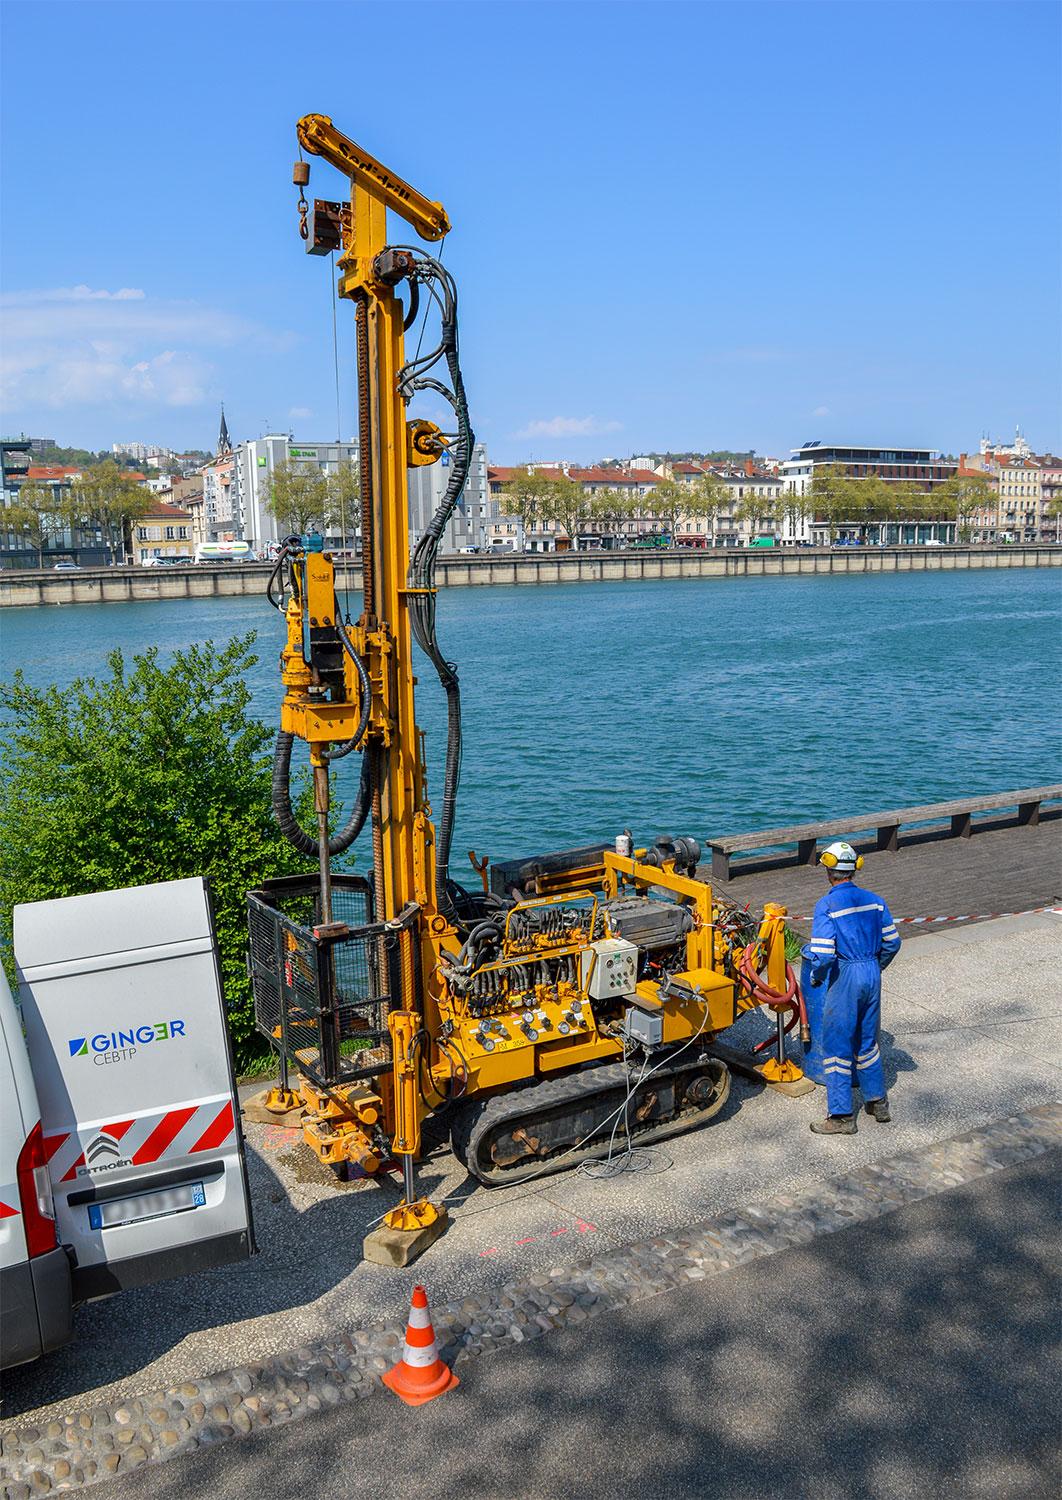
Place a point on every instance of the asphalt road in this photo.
(917, 1355)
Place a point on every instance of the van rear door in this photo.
(122, 1004)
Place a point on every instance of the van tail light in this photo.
(35, 1193)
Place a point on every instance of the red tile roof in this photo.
(164, 512)
(615, 477)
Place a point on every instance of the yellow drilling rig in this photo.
(564, 995)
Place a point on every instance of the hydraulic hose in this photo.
(422, 569)
(764, 994)
(304, 842)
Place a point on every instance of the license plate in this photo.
(174, 1200)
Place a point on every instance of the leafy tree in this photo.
(106, 499)
(704, 499)
(667, 503)
(301, 498)
(609, 510)
(963, 495)
(757, 511)
(79, 457)
(837, 498)
(154, 772)
(568, 504)
(36, 516)
(344, 489)
(543, 495)
(529, 495)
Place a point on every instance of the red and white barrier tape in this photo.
(987, 916)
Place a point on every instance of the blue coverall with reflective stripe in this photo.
(853, 938)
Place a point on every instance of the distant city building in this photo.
(32, 444)
(1026, 489)
(187, 494)
(81, 544)
(469, 524)
(254, 464)
(923, 468)
(1018, 449)
(237, 487)
(637, 520)
(166, 531)
(143, 453)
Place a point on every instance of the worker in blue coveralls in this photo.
(853, 938)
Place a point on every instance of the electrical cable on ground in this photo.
(550, 1166)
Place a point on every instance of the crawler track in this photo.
(532, 1131)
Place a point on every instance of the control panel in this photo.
(608, 969)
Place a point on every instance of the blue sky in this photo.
(675, 225)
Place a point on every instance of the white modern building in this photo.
(237, 486)
(255, 462)
(469, 524)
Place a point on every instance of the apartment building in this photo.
(164, 532)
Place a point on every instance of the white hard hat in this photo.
(841, 857)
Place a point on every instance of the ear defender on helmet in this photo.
(842, 857)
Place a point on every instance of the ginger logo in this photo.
(118, 1046)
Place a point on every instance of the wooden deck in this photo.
(999, 869)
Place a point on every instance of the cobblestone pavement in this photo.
(83, 1446)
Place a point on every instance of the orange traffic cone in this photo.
(420, 1374)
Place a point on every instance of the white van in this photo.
(35, 1293)
(123, 1101)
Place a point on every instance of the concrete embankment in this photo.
(116, 585)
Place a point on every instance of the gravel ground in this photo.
(972, 1021)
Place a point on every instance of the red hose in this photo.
(765, 994)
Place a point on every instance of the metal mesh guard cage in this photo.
(318, 995)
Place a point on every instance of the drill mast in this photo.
(566, 966)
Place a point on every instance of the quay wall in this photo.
(116, 585)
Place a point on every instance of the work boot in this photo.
(879, 1108)
(835, 1125)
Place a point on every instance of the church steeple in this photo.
(224, 443)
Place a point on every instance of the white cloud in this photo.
(821, 411)
(299, 413)
(80, 346)
(568, 427)
(73, 294)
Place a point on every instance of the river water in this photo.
(699, 706)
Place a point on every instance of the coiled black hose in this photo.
(304, 842)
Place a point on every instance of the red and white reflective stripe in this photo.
(154, 1137)
(421, 1357)
(7, 1212)
(420, 1348)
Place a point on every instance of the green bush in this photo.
(155, 772)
